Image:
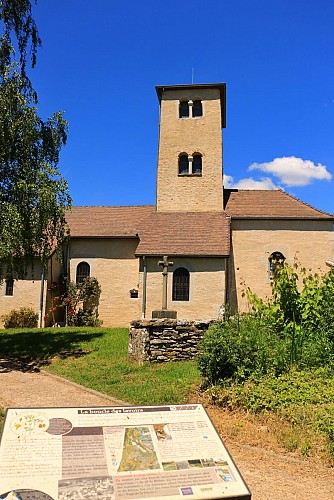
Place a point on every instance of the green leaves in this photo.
(17, 20)
(69, 298)
(33, 195)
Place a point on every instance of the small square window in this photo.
(134, 293)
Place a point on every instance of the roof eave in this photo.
(293, 217)
(143, 254)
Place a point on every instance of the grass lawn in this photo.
(97, 358)
(296, 410)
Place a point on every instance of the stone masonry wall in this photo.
(190, 135)
(162, 340)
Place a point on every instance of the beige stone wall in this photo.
(113, 263)
(207, 287)
(311, 242)
(26, 293)
(190, 135)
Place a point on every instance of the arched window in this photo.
(197, 164)
(9, 287)
(83, 272)
(184, 109)
(197, 108)
(183, 164)
(181, 284)
(276, 262)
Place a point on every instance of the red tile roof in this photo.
(106, 221)
(185, 233)
(277, 204)
(174, 233)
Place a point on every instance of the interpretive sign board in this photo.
(121, 453)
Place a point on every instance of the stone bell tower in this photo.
(190, 161)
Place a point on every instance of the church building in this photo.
(216, 241)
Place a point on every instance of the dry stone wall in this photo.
(162, 340)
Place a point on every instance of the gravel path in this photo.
(38, 389)
(268, 476)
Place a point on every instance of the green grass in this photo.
(97, 358)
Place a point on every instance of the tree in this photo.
(33, 194)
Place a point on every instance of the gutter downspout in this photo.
(67, 270)
(41, 299)
(227, 272)
(143, 311)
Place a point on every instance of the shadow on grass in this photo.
(27, 350)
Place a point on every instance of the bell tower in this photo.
(190, 157)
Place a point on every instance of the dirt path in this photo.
(268, 475)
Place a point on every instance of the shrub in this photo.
(302, 315)
(239, 347)
(69, 298)
(84, 317)
(24, 317)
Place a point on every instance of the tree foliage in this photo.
(33, 194)
(17, 20)
(293, 329)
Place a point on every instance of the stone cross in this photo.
(164, 263)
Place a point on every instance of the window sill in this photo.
(189, 175)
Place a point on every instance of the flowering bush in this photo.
(79, 302)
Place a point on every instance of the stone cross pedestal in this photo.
(164, 312)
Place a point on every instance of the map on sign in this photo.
(138, 450)
(115, 453)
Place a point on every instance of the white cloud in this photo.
(293, 171)
(227, 181)
(249, 183)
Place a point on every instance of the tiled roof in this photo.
(185, 233)
(277, 204)
(106, 221)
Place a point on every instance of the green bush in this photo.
(84, 317)
(239, 347)
(68, 300)
(248, 345)
(24, 317)
(298, 298)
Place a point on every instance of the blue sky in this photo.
(101, 60)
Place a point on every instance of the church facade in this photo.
(216, 241)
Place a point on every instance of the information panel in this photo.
(121, 453)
